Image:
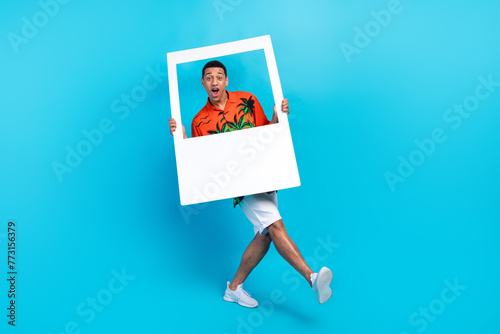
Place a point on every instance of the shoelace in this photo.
(245, 292)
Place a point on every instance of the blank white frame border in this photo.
(226, 165)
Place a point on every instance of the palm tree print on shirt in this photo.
(244, 122)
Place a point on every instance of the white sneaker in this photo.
(239, 296)
(321, 284)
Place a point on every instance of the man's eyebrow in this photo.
(219, 72)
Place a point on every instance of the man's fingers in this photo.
(284, 106)
(172, 125)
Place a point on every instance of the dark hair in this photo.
(213, 63)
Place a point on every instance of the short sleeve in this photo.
(194, 129)
(260, 117)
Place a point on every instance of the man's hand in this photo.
(284, 108)
(173, 125)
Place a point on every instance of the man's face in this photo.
(215, 81)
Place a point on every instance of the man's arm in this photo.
(173, 126)
(284, 108)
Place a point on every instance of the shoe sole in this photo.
(228, 299)
(323, 285)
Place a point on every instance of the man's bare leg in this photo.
(251, 258)
(288, 250)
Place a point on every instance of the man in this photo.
(230, 111)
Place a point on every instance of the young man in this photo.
(229, 111)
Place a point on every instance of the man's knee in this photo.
(276, 227)
(265, 239)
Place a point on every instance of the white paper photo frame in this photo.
(236, 163)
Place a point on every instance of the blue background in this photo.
(392, 251)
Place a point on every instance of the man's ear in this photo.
(202, 82)
(227, 81)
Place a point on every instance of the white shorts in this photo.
(261, 210)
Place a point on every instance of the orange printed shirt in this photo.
(242, 111)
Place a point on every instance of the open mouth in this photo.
(215, 92)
